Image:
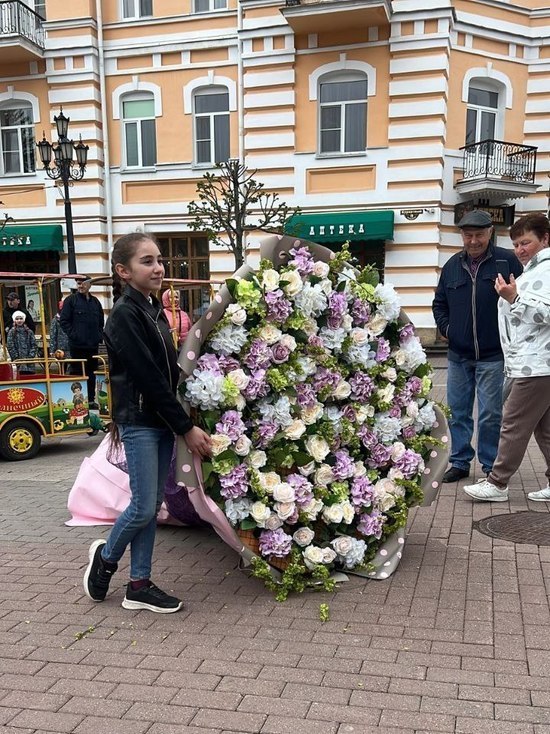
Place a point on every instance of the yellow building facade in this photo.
(382, 121)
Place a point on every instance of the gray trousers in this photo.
(526, 412)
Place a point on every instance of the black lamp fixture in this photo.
(66, 170)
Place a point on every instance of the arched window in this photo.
(140, 138)
(211, 124)
(483, 115)
(17, 137)
(343, 112)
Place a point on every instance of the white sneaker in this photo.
(543, 495)
(484, 490)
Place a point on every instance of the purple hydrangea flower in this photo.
(367, 436)
(315, 341)
(383, 350)
(279, 308)
(266, 434)
(303, 489)
(349, 412)
(302, 260)
(344, 467)
(362, 386)
(337, 305)
(231, 425)
(258, 356)
(414, 384)
(408, 463)
(210, 363)
(228, 364)
(257, 387)
(362, 492)
(372, 524)
(275, 543)
(406, 332)
(325, 378)
(234, 484)
(379, 455)
(360, 311)
(305, 395)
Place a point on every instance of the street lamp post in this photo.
(65, 170)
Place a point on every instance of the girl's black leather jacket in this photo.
(143, 365)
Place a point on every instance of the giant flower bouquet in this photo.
(315, 391)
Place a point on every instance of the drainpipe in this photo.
(240, 75)
(105, 125)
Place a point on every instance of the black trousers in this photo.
(89, 367)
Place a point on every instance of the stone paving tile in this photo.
(453, 642)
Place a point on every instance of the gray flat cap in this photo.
(476, 218)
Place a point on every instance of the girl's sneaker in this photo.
(543, 495)
(151, 598)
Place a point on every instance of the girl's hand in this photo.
(198, 441)
(505, 290)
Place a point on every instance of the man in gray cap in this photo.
(465, 311)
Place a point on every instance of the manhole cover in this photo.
(520, 527)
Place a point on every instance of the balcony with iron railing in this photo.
(21, 32)
(320, 16)
(494, 168)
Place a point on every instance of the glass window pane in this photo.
(27, 142)
(471, 118)
(330, 141)
(17, 116)
(220, 4)
(202, 128)
(128, 9)
(331, 118)
(138, 108)
(200, 247)
(203, 270)
(164, 247)
(181, 269)
(482, 97)
(487, 131)
(11, 162)
(212, 102)
(132, 156)
(180, 247)
(355, 136)
(203, 152)
(221, 138)
(145, 7)
(343, 91)
(148, 142)
(201, 6)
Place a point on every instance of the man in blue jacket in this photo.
(465, 311)
(82, 320)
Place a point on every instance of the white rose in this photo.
(360, 337)
(400, 357)
(333, 513)
(384, 486)
(270, 280)
(260, 513)
(303, 536)
(284, 492)
(386, 394)
(239, 378)
(288, 341)
(273, 522)
(343, 544)
(256, 459)
(242, 445)
(343, 390)
(240, 402)
(360, 469)
(347, 322)
(390, 374)
(312, 414)
(296, 429)
(293, 282)
(377, 324)
(310, 327)
(307, 469)
(237, 314)
(412, 409)
(363, 413)
(312, 509)
(220, 442)
(328, 556)
(320, 269)
(395, 473)
(269, 480)
(313, 556)
(397, 450)
(270, 334)
(284, 509)
(324, 475)
(317, 447)
(348, 511)
(386, 502)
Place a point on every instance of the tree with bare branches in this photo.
(232, 203)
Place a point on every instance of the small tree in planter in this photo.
(232, 203)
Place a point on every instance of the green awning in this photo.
(23, 239)
(342, 226)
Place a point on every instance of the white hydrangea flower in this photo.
(389, 305)
(230, 339)
(204, 390)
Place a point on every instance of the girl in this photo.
(21, 342)
(179, 320)
(146, 415)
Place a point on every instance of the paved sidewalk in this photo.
(456, 641)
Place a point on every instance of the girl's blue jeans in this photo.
(148, 454)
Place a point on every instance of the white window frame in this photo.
(201, 92)
(12, 104)
(211, 6)
(136, 15)
(334, 78)
(136, 97)
(498, 111)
